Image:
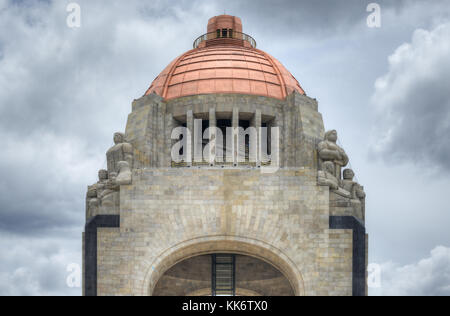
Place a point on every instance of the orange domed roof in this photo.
(225, 61)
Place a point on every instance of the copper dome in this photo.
(225, 61)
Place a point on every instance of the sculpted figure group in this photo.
(104, 196)
(332, 158)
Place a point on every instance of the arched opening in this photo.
(223, 275)
(197, 247)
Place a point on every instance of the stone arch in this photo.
(223, 244)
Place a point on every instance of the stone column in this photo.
(257, 123)
(212, 136)
(189, 149)
(278, 122)
(266, 142)
(198, 141)
(235, 138)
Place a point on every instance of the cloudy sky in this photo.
(64, 92)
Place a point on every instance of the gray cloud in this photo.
(37, 266)
(427, 277)
(320, 16)
(64, 92)
(304, 18)
(413, 101)
(43, 183)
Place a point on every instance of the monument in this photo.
(225, 182)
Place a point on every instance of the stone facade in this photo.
(295, 219)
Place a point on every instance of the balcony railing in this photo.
(221, 35)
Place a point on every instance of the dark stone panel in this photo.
(359, 249)
(90, 250)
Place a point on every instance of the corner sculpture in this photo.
(121, 151)
(103, 198)
(356, 190)
(357, 193)
(330, 151)
(332, 159)
(326, 177)
(93, 196)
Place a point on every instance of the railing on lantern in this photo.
(228, 34)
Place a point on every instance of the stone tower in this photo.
(225, 183)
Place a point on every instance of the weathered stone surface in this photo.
(357, 193)
(121, 151)
(330, 151)
(168, 215)
(124, 177)
(94, 194)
